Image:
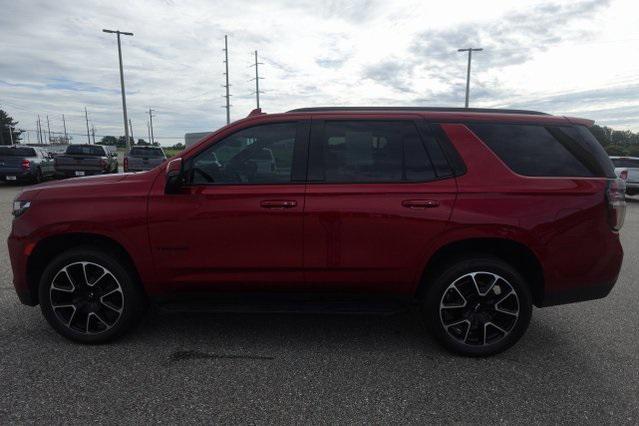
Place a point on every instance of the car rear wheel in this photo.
(89, 296)
(38, 175)
(478, 306)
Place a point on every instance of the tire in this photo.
(99, 312)
(478, 306)
(38, 176)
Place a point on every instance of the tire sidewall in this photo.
(455, 270)
(130, 288)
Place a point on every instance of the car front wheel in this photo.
(89, 296)
(478, 306)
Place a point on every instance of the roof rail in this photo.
(418, 109)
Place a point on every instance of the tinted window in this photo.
(146, 152)
(535, 150)
(85, 150)
(257, 155)
(625, 162)
(372, 151)
(17, 152)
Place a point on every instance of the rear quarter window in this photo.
(538, 150)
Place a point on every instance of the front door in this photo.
(379, 192)
(237, 225)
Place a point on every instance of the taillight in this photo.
(26, 164)
(616, 197)
(103, 163)
(126, 164)
(623, 175)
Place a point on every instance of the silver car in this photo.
(631, 164)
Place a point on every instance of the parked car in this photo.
(475, 215)
(141, 158)
(25, 164)
(85, 160)
(631, 165)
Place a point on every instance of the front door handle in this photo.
(278, 204)
(420, 204)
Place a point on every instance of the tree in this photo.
(7, 124)
(108, 140)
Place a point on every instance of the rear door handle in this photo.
(278, 204)
(420, 204)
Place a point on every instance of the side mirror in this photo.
(174, 176)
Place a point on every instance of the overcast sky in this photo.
(576, 58)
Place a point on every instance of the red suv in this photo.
(474, 215)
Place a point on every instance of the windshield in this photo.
(17, 152)
(85, 150)
(625, 162)
(146, 152)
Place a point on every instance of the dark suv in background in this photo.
(473, 215)
(86, 160)
(141, 158)
(25, 164)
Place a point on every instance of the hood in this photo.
(85, 186)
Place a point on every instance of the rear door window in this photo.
(17, 152)
(86, 150)
(369, 151)
(537, 150)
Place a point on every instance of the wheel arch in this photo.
(513, 252)
(48, 248)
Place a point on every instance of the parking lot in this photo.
(577, 363)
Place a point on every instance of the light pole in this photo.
(470, 51)
(126, 119)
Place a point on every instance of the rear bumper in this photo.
(578, 294)
(597, 284)
(20, 175)
(72, 173)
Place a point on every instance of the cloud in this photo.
(314, 53)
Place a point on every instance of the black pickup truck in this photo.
(85, 160)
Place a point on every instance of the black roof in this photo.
(418, 109)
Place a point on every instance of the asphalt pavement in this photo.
(577, 363)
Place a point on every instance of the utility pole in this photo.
(93, 132)
(10, 132)
(257, 80)
(148, 132)
(131, 128)
(470, 51)
(39, 130)
(151, 125)
(48, 129)
(64, 124)
(226, 74)
(126, 127)
(86, 118)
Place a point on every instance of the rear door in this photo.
(374, 202)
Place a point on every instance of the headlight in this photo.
(20, 207)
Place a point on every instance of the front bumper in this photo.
(17, 255)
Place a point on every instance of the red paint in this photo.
(373, 238)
